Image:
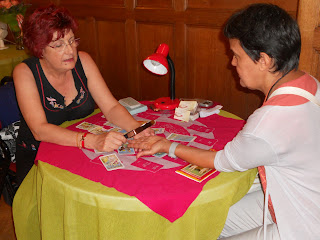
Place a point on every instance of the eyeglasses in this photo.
(61, 46)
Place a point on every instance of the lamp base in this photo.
(165, 103)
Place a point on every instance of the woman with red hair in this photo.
(59, 84)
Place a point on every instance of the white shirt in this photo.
(286, 140)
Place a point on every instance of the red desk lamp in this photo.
(158, 63)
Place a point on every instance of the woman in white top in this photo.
(283, 135)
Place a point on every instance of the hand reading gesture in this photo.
(145, 133)
(110, 141)
(150, 145)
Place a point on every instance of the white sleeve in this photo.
(244, 152)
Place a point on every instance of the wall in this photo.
(119, 34)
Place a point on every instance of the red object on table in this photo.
(165, 103)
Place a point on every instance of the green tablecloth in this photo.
(9, 58)
(55, 204)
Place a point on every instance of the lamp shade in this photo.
(157, 62)
(160, 63)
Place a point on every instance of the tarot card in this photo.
(98, 152)
(160, 154)
(158, 130)
(111, 162)
(86, 126)
(124, 149)
(98, 130)
(118, 130)
(180, 137)
(109, 124)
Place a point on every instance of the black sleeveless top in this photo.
(53, 102)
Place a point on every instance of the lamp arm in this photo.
(172, 78)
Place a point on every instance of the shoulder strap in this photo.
(296, 91)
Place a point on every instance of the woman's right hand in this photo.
(150, 145)
(107, 142)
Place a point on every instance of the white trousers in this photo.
(245, 219)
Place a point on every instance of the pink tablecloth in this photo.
(165, 192)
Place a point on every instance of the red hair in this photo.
(39, 28)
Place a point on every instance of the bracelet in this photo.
(82, 140)
(172, 149)
(77, 142)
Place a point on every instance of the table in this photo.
(55, 204)
(9, 58)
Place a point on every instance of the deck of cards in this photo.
(186, 111)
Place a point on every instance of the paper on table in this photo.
(210, 111)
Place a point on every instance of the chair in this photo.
(9, 110)
(9, 116)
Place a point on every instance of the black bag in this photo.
(8, 182)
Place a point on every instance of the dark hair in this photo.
(39, 28)
(267, 28)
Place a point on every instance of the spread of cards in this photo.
(110, 161)
(125, 157)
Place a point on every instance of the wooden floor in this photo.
(6, 222)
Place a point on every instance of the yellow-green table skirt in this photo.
(55, 204)
(9, 58)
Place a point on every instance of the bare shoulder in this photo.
(22, 73)
(85, 58)
(88, 63)
(25, 86)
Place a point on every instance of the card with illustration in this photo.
(158, 130)
(124, 149)
(196, 173)
(147, 165)
(98, 130)
(86, 126)
(111, 162)
(180, 137)
(118, 130)
(109, 124)
(160, 154)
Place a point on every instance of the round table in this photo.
(53, 203)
